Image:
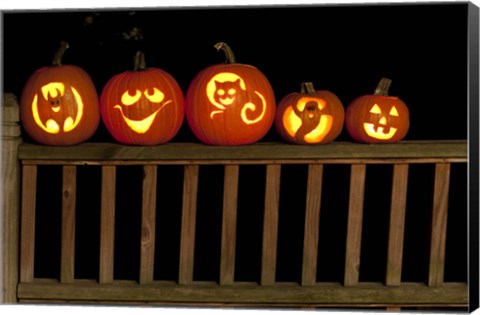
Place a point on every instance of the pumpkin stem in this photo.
(307, 88)
(383, 87)
(57, 58)
(227, 50)
(139, 61)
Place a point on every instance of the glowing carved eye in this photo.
(375, 109)
(128, 99)
(393, 111)
(220, 92)
(232, 92)
(156, 97)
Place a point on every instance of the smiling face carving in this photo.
(380, 124)
(135, 118)
(142, 107)
(377, 119)
(50, 108)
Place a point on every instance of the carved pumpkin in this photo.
(310, 117)
(142, 107)
(378, 118)
(230, 104)
(59, 104)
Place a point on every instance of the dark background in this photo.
(345, 49)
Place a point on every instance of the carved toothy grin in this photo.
(379, 132)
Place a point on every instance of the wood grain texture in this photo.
(69, 187)
(147, 246)
(10, 200)
(439, 224)
(229, 225)
(354, 227)
(27, 238)
(189, 213)
(453, 149)
(270, 225)
(366, 294)
(397, 224)
(312, 222)
(107, 224)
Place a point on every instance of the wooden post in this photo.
(189, 214)
(397, 225)
(270, 225)
(9, 213)
(439, 224)
(354, 228)
(312, 221)
(229, 225)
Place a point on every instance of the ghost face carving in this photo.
(313, 117)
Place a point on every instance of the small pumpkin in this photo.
(142, 107)
(378, 118)
(59, 104)
(230, 104)
(310, 117)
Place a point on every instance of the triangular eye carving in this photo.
(375, 109)
(393, 111)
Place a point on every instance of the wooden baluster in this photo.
(187, 238)
(270, 225)
(9, 211)
(27, 247)
(439, 224)
(229, 224)
(107, 224)
(354, 228)
(397, 224)
(68, 224)
(312, 221)
(147, 248)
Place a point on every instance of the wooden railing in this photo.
(185, 290)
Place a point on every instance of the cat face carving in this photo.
(226, 92)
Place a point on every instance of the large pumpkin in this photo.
(230, 104)
(310, 117)
(378, 118)
(142, 107)
(59, 104)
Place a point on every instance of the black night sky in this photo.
(345, 49)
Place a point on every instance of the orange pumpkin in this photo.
(230, 104)
(59, 104)
(310, 117)
(378, 118)
(142, 107)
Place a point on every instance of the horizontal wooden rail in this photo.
(259, 153)
(454, 294)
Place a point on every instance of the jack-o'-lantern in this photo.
(378, 118)
(142, 107)
(310, 117)
(59, 104)
(230, 104)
